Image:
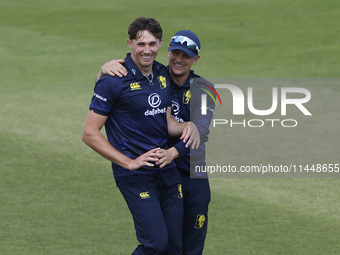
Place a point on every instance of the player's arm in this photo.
(95, 139)
(179, 149)
(174, 128)
(114, 67)
(187, 131)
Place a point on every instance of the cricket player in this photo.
(186, 90)
(133, 109)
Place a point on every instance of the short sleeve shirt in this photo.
(136, 109)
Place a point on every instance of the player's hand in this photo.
(191, 135)
(166, 156)
(114, 67)
(145, 159)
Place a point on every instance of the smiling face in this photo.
(180, 64)
(144, 50)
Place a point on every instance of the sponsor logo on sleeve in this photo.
(100, 97)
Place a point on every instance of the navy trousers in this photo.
(156, 204)
(196, 198)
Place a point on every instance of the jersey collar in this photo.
(134, 70)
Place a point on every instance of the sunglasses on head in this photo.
(190, 44)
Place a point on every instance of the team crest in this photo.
(180, 192)
(200, 221)
(186, 97)
(162, 81)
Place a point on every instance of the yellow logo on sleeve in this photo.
(200, 221)
(135, 86)
(162, 81)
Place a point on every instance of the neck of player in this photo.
(179, 79)
(146, 72)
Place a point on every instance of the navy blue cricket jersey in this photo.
(136, 110)
(186, 106)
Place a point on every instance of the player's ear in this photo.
(129, 42)
(196, 58)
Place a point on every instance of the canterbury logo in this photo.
(135, 86)
(144, 195)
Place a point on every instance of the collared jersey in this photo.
(136, 109)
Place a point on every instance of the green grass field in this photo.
(59, 197)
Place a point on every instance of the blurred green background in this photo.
(58, 197)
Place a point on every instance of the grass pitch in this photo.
(59, 197)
